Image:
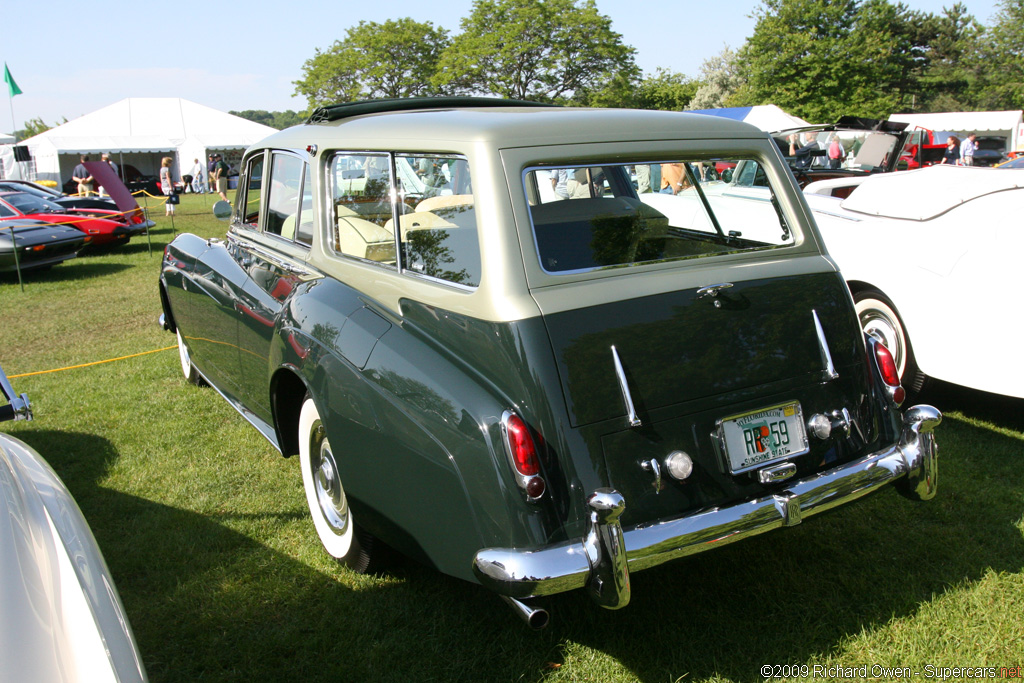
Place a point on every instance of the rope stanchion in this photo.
(86, 365)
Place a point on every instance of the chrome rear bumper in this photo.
(603, 559)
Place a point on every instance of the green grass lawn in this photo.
(205, 529)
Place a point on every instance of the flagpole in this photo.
(14, 129)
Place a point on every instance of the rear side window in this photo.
(410, 212)
(598, 216)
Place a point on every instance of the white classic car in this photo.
(931, 257)
(61, 619)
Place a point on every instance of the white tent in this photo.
(1006, 124)
(767, 117)
(139, 131)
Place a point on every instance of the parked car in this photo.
(62, 616)
(952, 240)
(991, 150)
(866, 146)
(1016, 162)
(530, 393)
(28, 244)
(120, 199)
(104, 227)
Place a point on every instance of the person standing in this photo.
(197, 178)
(105, 158)
(952, 155)
(967, 150)
(209, 173)
(166, 184)
(220, 174)
(82, 176)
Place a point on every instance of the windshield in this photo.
(29, 203)
(595, 216)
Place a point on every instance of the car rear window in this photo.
(609, 215)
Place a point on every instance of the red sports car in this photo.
(104, 226)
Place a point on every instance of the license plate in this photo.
(761, 436)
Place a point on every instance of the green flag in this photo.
(12, 87)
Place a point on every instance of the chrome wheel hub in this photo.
(329, 493)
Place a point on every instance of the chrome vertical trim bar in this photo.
(829, 373)
(631, 415)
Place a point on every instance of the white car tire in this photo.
(325, 495)
(187, 369)
(878, 317)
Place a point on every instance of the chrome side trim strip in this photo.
(829, 372)
(627, 398)
(912, 464)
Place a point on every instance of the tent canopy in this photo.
(145, 128)
(767, 117)
(1009, 124)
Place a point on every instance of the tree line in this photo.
(817, 59)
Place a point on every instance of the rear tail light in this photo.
(522, 453)
(890, 373)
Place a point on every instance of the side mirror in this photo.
(222, 210)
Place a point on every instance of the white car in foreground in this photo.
(60, 615)
(933, 258)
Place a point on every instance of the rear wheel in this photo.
(189, 370)
(878, 317)
(339, 534)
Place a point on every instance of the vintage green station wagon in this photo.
(540, 348)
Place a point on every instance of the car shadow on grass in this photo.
(208, 602)
(74, 269)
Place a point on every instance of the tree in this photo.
(545, 50)
(798, 57)
(720, 78)
(1003, 58)
(274, 119)
(666, 90)
(946, 72)
(35, 127)
(394, 59)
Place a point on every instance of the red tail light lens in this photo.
(890, 373)
(521, 447)
(523, 454)
(887, 365)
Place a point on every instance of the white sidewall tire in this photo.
(337, 545)
(186, 360)
(889, 325)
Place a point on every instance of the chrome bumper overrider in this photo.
(603, 559)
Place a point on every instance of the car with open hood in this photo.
(492, 352)
(104, 227)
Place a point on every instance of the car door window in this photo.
(438, 218)
(284, 193)
(361, 204)
(253, 192)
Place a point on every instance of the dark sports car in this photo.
(28, 244)
(103, 226)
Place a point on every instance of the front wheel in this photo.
(878, 317)
(325, 496)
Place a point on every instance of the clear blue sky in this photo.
(70, 60)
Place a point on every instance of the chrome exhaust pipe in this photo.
(535, 617)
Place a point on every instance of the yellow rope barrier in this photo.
(85, 365)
